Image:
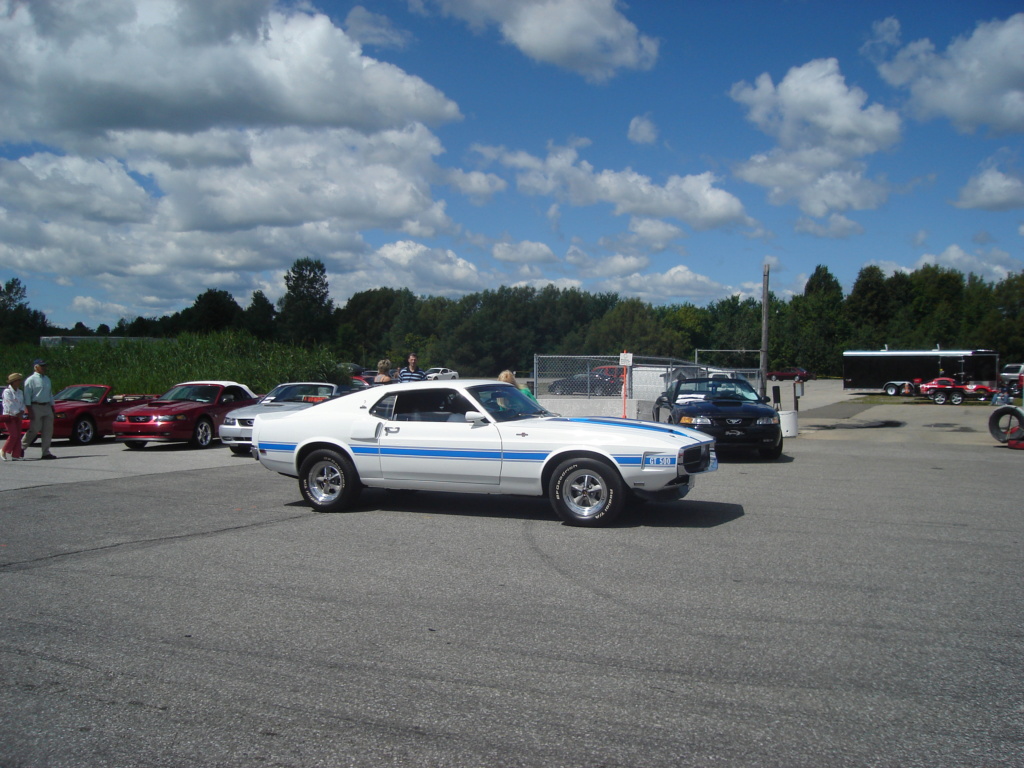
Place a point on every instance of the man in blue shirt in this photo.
(39, 404)
(411, 372)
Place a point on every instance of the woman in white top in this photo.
(14, 410)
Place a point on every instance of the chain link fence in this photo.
(599, 379)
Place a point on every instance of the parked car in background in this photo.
(727, 409)
(84, 413)
(585, 384)
(441, 373)
(1012, 377)
(188, 412)
(944, 389)
(479, 436)
(358, 372)
(794, 374)
(236, 429)
(613, 372)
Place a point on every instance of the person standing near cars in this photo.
(510, 378)
(412, 372)
(383, 372)
(13, 411)
(39, 404)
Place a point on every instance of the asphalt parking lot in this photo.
(856, 603)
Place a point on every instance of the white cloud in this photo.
(589, 37)
(679, 283)
(994, 264)
(524, 252)
(92, 308)
(836, 226)
(476, 185)
(642, 130)
(992, 190)
(694, 199)
(59, 188)
(369, 28)
(144, 68)
(823, 128)
(978, 80)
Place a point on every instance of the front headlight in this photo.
(228, 421)
(121, 417)
(60, 416)
(175, 417)
(769, 419)
(694, 420)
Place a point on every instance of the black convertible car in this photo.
(728, 409)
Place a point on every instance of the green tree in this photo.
(213, 310)
(867, 310)
(259, 317)
(306, 309)
(19, 323)
(632, 325)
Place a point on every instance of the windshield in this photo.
(85, 394)
(715, 389)
(506, 403)
(198, 393)
(300, 393)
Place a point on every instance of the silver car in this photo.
(441, 373)
(236, 431)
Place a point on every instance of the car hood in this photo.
(723, 408)
(608, 430)
(165, 406)
(262, 409)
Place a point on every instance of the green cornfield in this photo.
(154, 366)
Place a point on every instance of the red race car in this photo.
(86, 412)
(189, 412)
(944, 389)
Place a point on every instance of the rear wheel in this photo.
(939, 398)
(241, 450)
(84, 431)
(956, 398)
(329, 481)
(891, 389)
(202, 435)
(135, 445)
(1005, 420)
(586, 492)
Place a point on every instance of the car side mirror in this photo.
(475, 417)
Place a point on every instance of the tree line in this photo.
(483, 333)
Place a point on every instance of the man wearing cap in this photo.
(39, 404)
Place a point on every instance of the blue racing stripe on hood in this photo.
(624, 424)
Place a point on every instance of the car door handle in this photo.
(390, 430)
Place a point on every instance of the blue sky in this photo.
(151, 149)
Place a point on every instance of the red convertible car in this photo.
(944, 389)
(190, 412)
(86, 412)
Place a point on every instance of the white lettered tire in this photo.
(329, 481)
(587, 492)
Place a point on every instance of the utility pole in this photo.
(764, 333)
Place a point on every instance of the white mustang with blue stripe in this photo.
(478, 436)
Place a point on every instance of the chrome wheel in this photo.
(84, 431)
(203, 434)
(325, 482)
(586, 492)
(329, 481)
